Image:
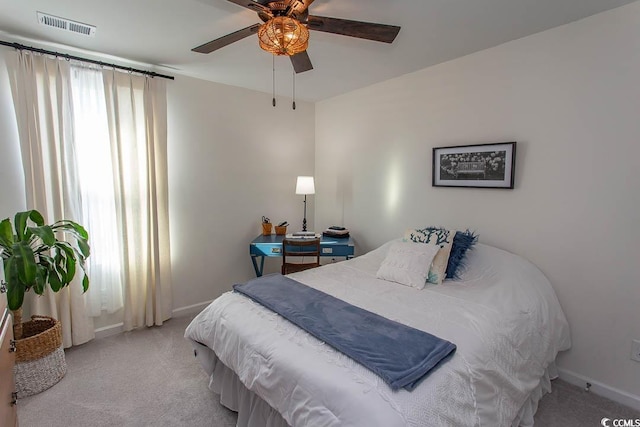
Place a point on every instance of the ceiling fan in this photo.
(286, 25)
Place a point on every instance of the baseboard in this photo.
(622, 397)
(190, 310)
(110, 330)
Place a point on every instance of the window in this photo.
(95, 174)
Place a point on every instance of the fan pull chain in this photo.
(294, 90)
(274, 80)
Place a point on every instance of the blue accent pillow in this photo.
(462, 242)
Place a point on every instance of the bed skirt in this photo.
(253, 411)
(528, 410)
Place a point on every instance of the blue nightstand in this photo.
(271, 246)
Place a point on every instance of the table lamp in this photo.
(305, 186)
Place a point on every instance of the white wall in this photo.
(570, 96)
(232, 158)
(12, 196)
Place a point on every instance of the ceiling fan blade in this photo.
(226, 40)
(301, 62)
(298, 7)
(363, 30)
(253, 5)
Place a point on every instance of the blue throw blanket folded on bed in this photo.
(401, 355)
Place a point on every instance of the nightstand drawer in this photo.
(337, 250)
(265, 249)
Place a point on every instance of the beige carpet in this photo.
(149, 377)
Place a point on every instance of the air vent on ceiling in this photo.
(66, 24)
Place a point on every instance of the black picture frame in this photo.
(490, 165)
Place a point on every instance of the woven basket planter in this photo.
(40, 361)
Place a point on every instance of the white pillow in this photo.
(440, 237)
(408, 263)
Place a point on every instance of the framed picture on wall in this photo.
(476, 166)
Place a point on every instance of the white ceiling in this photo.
(162, 33)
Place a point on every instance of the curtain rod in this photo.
(78, 58)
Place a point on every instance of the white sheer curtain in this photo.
(94, 150)
(41, 95)
(97, 190)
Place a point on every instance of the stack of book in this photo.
(336, 232)
(303, 235)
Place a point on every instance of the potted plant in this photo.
(34, 257)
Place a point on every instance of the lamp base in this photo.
(304, 217)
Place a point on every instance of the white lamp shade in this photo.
(305, 185)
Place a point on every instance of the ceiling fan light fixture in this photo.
(283, 35)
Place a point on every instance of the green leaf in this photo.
(45, 233)
(56, 255)
(65, 246)
(25, 263)
(71, 226)
(71, 268)
(46, 261)
(84, 247)
(20, 222)
(41, 279)
(60, 268)
(70, 261)
(36, 217)
(85, 283)
(77, 231)
(81, 259)
(15, 288)
(6, 234)
(54, 280)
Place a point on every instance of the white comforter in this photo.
(503, 316)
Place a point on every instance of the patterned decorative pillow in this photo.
(462, 242)
(407, 263)
(434, 236)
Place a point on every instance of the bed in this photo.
(501, 313)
